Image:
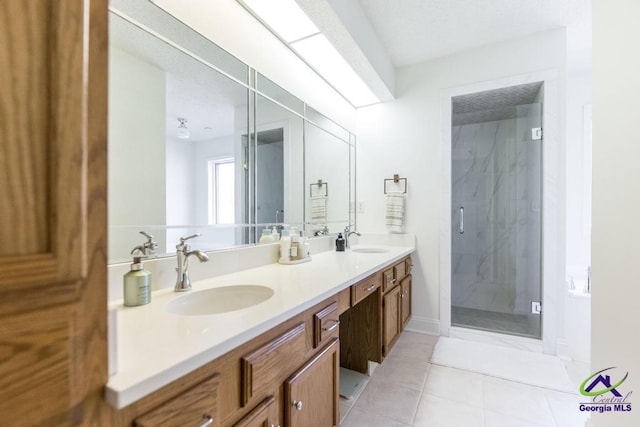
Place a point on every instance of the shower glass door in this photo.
(496, 218)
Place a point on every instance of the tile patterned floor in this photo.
(511, 323)
(407, 390)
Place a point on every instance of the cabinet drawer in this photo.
(363, 289)
(195, 407)
(408, 263)
(388, 279)
(272, 362)
(326, 324)
(344, 300)
(400, 270)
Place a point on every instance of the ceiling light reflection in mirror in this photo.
(291, 24)
(284, 17)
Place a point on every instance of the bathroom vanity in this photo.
(275, 363)
(260, 343)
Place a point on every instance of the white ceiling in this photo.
(414, 31)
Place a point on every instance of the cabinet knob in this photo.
(273, 425)
(208, 420)
(370, 288)
(393, 281)
(297, 404)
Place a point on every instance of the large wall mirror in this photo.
(201, 143)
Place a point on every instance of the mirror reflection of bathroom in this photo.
(267, 156)
(181, 110)
(496, 231)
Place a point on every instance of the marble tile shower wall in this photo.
(494, 177)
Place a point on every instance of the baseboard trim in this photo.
(423, 325)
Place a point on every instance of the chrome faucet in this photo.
(147, 248)
(183, 252)
(278, 212)
(347, 233)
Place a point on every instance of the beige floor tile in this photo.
(494, 419)
(390, 400)
(425, 339)
(455, 384)
(520, 401)
(398, 371)
(359, 418)
(435, 411)
(345, 407)
(412, 351)
(565, 408)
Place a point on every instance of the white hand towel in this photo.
(319, 209)
(394, 212)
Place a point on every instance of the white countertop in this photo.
(155, 347)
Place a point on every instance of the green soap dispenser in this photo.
(137, 284)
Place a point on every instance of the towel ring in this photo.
(319, 184)
(396, 179)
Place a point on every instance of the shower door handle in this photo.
(461, 227)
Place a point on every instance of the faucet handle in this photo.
(184, 239)
(148, 236)
(149, 246)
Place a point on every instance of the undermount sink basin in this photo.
(219, 300)
(370, 250)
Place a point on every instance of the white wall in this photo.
(616, 199)
(404, 137)
(327, 159)
(180, 183)
(136, 171)
(579, 96)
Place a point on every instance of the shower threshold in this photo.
(523, 325)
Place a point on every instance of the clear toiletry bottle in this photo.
(274, 234)
(295, 249)
(285, 246)
(137, 284)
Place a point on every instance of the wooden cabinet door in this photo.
(405, 298)
(53, 287)
(391, 318)
(311, 394)
(263, 415)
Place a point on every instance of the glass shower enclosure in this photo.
(496, 231)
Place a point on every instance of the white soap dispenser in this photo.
(274, 234)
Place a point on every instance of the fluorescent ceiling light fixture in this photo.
(284, 17)
(326, 60)
(291, 24)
